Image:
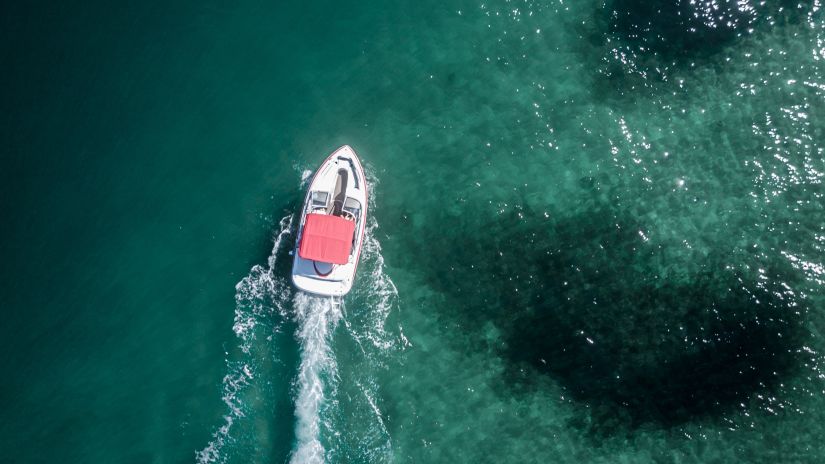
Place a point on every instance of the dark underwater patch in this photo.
(681, 27)
(637, 331)
(649, 38)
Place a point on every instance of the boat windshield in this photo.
(320, 200)
(352, 205)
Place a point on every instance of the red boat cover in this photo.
(326, 238)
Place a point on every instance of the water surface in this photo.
(597, 232)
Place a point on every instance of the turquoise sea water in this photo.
(597, 232)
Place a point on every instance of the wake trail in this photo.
(257, 297)
(317, 318)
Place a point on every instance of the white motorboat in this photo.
(331, 232)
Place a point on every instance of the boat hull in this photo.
(338, 187)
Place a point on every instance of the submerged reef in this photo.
(680, 27)
(676, 28)
(638, 331)
(648, 39)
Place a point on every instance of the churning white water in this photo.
(317, 317)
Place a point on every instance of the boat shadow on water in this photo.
(634, 331)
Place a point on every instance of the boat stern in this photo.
(319, 286)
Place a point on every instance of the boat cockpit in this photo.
(350, 207)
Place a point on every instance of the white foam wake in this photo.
(257, 297)
(317, 317)
(379, 297)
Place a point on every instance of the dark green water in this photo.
(598, 232)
